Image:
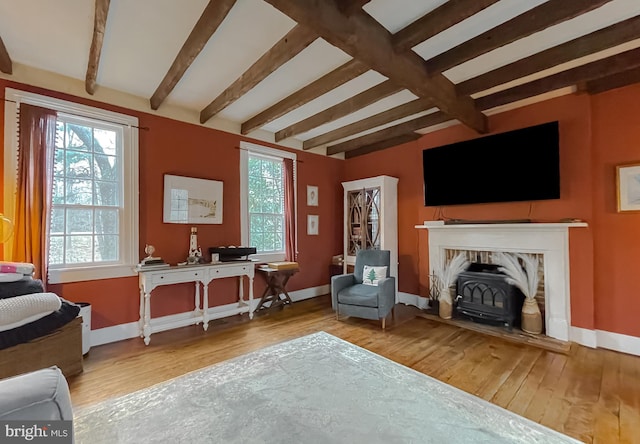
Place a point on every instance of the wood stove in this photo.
(484, 294)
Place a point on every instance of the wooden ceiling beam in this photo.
(99, 25)
(396, 113)
(6, 66)
(596, 41)
(389, 133)
(349, 6)
(430, 24)
(378, 146)
(613, 81)
(213, 15)
(436, 21)
(287, 48)
(348, 106)
(611, 67)
(324, 84)
(362, 37)
(590, 71)
(537, 19)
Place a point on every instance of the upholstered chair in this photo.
(363, 293)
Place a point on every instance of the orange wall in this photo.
(596, 134)
(173, 147)
(616, 140)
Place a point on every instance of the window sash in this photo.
(262, 236)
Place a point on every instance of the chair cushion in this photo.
(359, 294)
(371, 275)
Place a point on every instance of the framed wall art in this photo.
(189, 200)
(312, 224)
(312, 196)
(628, 187)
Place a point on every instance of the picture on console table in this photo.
(189, 200)
(628, 187)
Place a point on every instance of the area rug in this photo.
(314, 389)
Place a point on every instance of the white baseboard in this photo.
(412, 299)
(618, 342)
(121, 332)
(585, 337)
(582, 336)
(589, 338)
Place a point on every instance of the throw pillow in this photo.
(371, 275)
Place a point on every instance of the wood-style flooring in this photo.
(590, 394)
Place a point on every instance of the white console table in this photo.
(149, 279)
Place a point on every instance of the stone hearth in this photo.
(551, 240)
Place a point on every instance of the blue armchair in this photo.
(351, 297)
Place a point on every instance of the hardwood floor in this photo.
(591, 395)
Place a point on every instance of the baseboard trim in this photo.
(585, 337)
(588, 338)
(129, 330)
(412, 299)
(618, 342)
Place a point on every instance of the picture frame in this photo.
(628, 187)
(190, 200)
(312, 224)
(312, 196)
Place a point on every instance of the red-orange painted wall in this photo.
(173, 147)
(616, 140)
(596, 134)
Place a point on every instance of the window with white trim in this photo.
(262, 200)
(93, 230)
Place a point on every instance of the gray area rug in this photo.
(314, 389)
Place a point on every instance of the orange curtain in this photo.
(291, 250)
(36, 146)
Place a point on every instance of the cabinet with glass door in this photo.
(371, 220)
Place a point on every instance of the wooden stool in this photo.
(276, 286)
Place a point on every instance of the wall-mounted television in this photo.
(520, 165)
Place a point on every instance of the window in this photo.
(262, 199)
(86, 193)
(93, 231)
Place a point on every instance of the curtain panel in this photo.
(36, 147)
(291, 249)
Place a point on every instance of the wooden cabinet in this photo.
(371, 218)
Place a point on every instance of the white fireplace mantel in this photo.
(549, 239)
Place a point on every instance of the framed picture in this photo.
(312, 224)
(628, 187)
(188, 200)
(312, 196)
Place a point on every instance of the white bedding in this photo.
(20, 310)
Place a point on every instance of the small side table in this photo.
(276, 286)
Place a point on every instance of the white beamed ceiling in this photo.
(144, 36)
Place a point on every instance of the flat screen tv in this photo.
(520, 165)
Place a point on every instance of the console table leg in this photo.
(196, 310)
(141, 319)
(241, 302)
(205, 306)
(250, 297)
(147, 318)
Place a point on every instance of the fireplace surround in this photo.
(551, 240)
